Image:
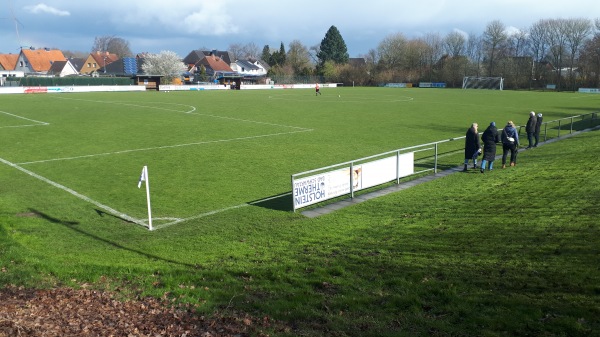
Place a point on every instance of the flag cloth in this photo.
(142, 177)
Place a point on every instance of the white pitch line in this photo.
(200, 216)
(192, 108)
(39, 123)
(76, 194)
(249, 121)
(164, 147)
(191, 111)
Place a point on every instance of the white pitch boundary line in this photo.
(39, 123)
(191, 111)
(164, 147)
(76, 194)
(140, 221)
(192, 108)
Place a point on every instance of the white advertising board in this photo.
(327, 185)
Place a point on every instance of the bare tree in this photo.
(475, 54)
(434, 51)
(518, 64)
(250, 51)
(493, 38)
(454, 44)
(557, 38)
(298, 57)
(454, 47)
(113, 45)
(236, 49)
(577, 31)
(390, 53)
(539, 42)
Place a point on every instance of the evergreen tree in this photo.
(333, 48)
(266, 54)
(278, 57)
(282, 54)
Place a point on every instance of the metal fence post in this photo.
(398, 167)
(558, 129)
(435, 160)
(352, 180)
(571, 131)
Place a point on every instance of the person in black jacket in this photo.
(530, 128)
(489, 138)
(472, 146)
(538, 126)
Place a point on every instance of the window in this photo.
(89, 65)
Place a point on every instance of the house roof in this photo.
(224, 55)
(216, 63)
(57, 67)
(41, 59)
(103, 58)
(8, 61)
(247, 65)
(77, 62)
(357, 61)
(193, 57)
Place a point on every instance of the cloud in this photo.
(43, 8)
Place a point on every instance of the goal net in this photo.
(492, 83)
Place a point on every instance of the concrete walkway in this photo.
(315, 212)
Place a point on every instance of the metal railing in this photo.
(449, 153)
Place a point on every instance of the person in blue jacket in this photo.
(510, 143)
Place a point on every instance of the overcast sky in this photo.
(185, 25)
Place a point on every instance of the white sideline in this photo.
(39, 123)
(164, 147)
(76, 194)
(143, 222)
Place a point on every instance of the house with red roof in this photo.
(8, 61)
(97, 60)
(38, 61)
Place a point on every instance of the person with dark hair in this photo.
(530, 128)
(510, 143)
(538, 126)
(489, 138)
(317, 89)
(472, 146)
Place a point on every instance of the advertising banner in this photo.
(327, 185)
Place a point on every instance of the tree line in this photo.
(561, 52)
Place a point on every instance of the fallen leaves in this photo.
(88, 312)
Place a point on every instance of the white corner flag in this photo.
(144, 178)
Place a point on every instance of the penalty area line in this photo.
(166, 147)
(76, 194)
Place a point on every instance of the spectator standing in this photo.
(530, 129)
(472, 146)
(510, 143)
(538, 126)
(489, 139)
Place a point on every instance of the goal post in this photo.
(476, 82)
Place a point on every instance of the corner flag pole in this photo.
(144, 178)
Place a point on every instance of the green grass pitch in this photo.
(215, 150)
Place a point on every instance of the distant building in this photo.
(212, 62)
(38, 61)
(97, 60)
(62, 69)
(8, 61)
